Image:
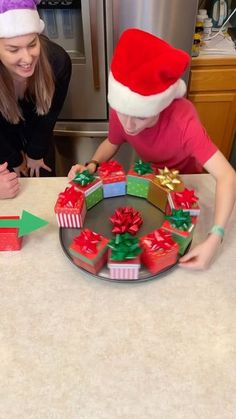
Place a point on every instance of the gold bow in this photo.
(168, 178)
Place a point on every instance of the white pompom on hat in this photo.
(145, 74)
(19, 17)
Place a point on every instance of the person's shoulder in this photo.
(181, 106)
(57, 56)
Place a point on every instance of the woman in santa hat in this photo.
(149, 111)
(34, 77)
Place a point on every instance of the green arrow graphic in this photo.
(27, 223)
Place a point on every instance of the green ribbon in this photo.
(124, 246)
(180, 219)
(142, 168)
(84, 178)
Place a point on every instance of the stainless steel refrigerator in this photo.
(89, 30)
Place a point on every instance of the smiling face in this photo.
(20, 55)
(133, 125)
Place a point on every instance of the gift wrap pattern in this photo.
(9, 239)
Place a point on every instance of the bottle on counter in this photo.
(196, 45)
(207, 28)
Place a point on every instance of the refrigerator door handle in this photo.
(94, 43)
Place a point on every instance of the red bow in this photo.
(186, 198)
(110, 167)
(159, 240)
(126, 220)
(87, 241)
(70, 197)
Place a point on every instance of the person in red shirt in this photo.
(148, 110)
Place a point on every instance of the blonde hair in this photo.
(40, 88)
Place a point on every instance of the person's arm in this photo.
(104, 152)
(42, 126)
(201, 256)
(9, 182)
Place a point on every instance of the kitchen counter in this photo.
(76, 347)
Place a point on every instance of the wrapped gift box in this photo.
(160, 251)
(91, 186)
(89, 251)
(161, 185)
(113, 178)
(124, 257)
(126, 269)
(138, 179)
(70, 208)
(181, 226)
(186, 200)
(9, 239)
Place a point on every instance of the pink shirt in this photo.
(178, 140)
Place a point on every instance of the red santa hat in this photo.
(145, 74)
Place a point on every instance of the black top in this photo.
(33, 134)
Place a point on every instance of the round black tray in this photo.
(97, 219)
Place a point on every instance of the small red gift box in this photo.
(89, 251)
(159, 250)
(185, 200)
(9, 239)
(70, 208)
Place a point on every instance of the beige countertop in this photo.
(75, 347)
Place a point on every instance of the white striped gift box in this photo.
(71, 217)
(123, 271)
(70, 220)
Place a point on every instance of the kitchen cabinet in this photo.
(212, 89)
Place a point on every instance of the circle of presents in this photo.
(157, 250)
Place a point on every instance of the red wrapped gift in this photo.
(70, 208)
(9, 239)
(159, 250)
(111, 171)
(185, 200)
(89, 251)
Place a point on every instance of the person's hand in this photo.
(201, 256)
(77, 168)
(34, 166)
(9, 183)
(22, 168)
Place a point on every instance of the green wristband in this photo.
(218, 230)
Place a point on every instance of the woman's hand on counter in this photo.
(9, 183)
(201, 256)
(34, 166)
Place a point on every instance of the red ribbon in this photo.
(126, 220)
(186, 199)
(70, 197)
(159, 240)
(110, 168)
(87, 241)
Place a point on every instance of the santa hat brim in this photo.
(20, 22)
(125, 101)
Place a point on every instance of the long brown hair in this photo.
(40, 88)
